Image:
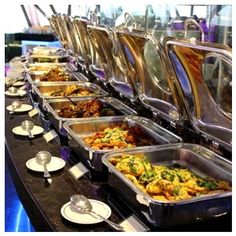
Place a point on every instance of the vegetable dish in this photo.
(118, 137)
(166, 183)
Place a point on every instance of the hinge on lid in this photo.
(173, 124)
(215, 144)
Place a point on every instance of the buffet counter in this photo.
(43, 201)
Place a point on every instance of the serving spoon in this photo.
(43, 158)
(16, 104)
(13, 90)
(28, 125)
(84, 206)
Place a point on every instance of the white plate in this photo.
(22, 108)
(19, 93)
(35, 131)
(72, 215)
(56, 163)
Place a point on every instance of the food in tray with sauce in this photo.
(93, 108)
(117, 137)
(71, 90)
(39, 68)
(55, 74)
(166, 183)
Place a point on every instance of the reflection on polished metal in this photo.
(148, 71)
(189, 22)
(43, 158)
(205, 163)
(84, 44)
(203, 73)
(71, 35)
(13, 90)
(28, 125)
(84, 206)
(56, 25)
(15, 104)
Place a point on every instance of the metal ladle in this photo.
(43, 158)
(84, 206)
(13, 90)
(16, 104)
(28, 125)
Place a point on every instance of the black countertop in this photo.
(43, 203)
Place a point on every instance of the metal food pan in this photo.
(40, 90)
(59, 56)
(36, 69)
(199, 160)
(53, 106)
(78, 130)
(48, 59)
(43, 66)
(46, 50)
(75, 76)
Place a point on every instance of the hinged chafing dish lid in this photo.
(84, 42)
(113, 67)
(148, 71)
(204, 74)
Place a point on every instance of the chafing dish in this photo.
(56, 56)
(53, 106)
(72, 37)
(42, 90)
(44, 50)
(199, 160)
(87, 53)
(202, 77)
(149, 74)
(56, 26)
(74, 76)
(110, 65)
(42, 67)
(79, 130)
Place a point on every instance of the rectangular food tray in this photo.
(199, 160)
(74, 76)
(40, 90)
(53, 106)
(78, 130)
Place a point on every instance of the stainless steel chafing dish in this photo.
(199, 160)
(149, 74)
(44, 50)
(56, 56)
(87, 54)
(41, 68)
(74, 76)
(110, 65)
(38, 66)
(40, 90)
(61, 29)
(53, 106)
(202, 77)
(78, 130)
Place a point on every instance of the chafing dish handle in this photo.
(222, 162)
(122, 107)
(156, 128)
(142, 199)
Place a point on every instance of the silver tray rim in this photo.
(145, 197)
